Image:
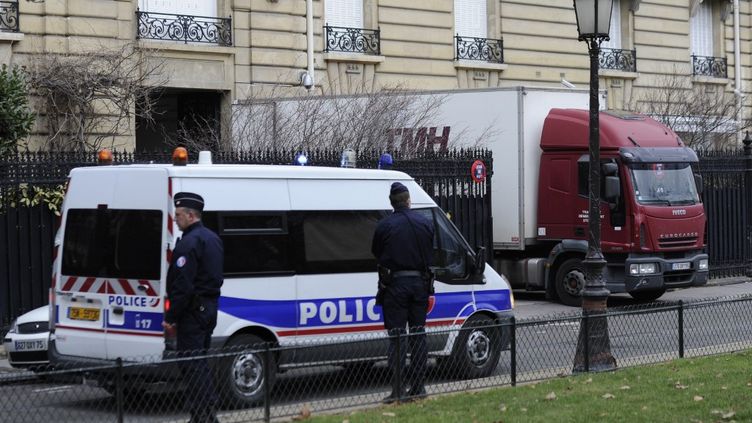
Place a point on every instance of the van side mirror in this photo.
(612, 188)
(479, 265)
(698, 183)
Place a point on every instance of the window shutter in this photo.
(183, 7)
(347, 13)
(701, 30)
(470, 18)
(614, 31)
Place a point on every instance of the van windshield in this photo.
(112, 243)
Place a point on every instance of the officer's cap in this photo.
(397, 188)
(189, 200)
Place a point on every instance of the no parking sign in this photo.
(478, 171)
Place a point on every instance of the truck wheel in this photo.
(570, 282)
(477, 348)
(647, 295)
(241, 377)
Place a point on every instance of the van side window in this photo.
(113, 243)
(254, 243)
(449, 249)
(335, 241)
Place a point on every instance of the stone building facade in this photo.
(216, 52)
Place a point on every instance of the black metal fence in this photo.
(352, 40)
(475, 48)
(185, 28)
(9, 16)
(618, 59)
(152, 388)
(26, 233)
(727, 197)
(715, 67)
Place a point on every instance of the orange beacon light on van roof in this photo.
(180, 156)
(104, 157)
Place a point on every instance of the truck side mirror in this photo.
(610, 169)
(698, 183)
(612, 188)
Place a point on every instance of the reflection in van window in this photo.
(254, 243)
(337, 241)
(112, 243)
(449, 248)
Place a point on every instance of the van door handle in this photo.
(117, 310)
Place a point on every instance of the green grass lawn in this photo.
(707, 389)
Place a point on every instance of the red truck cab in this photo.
(652, 219)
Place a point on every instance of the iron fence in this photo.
(709, 66)
(475, 48)
(283, 382)
(27, 233)
(352, 40)
(618, 59)
(186, 28)
(9, 16)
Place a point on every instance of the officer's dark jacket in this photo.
(195, 270)
(404, 241)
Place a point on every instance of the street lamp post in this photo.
(593, 345)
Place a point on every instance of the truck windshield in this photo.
(664, 183)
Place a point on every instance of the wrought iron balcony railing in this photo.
(352, 40)
(709, 66)
(474, 48)
(618, 59)
(8, 16)
(186, 28)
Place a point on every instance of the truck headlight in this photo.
(703, 264)
(642, 269)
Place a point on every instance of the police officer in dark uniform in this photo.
(403, 246)
(193, 283)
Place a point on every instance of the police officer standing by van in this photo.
(403, 246)
(194, 280)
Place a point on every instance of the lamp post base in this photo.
(593, 343)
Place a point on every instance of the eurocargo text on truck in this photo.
(653, 222)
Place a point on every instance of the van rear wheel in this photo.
(241, 378)
(570, 282)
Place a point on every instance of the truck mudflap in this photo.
(670, 273)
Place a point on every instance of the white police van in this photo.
(298, 268)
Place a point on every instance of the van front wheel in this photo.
(477, 348)
(241, 378)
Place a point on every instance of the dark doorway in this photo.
(181, 117)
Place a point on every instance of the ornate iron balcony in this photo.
(474, 48)
(8, 16)
(709, 66)
(618, 59)
(352, 40)
(186, 28)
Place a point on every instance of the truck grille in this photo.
(678, 242)
(674, 278)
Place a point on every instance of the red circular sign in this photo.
(478, 171)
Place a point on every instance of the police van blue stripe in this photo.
(290, 314)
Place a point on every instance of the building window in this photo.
(344, 13)
(615, 53)
(471, 33)
(707, 60)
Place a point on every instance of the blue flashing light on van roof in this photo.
(301, 159)
(386, 161)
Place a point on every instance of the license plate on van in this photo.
(680, 266)
(80, 313)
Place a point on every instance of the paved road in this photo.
(545, 349)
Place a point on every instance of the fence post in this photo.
(586, 341)
(397, 377)
(513, 350)
(681, 329)
(119, 388)
(748, 204)
(267, 372)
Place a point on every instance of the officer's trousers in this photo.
(405, 305)
(193, 339)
